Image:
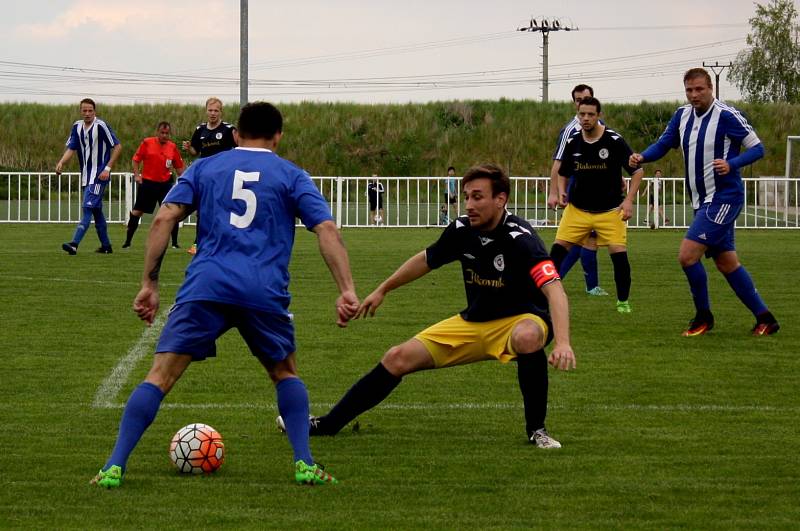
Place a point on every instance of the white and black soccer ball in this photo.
(197, 449)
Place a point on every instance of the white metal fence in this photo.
(770, 202)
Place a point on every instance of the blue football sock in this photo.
(589, 263)
(293, 407)
(80, 230)
(742, 284)
(698, 284)
(569, 261)
(101, 226)
(139, 413)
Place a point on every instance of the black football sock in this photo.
(133, 224)
(532, 376)
(558, 252)
(175, 235)
(622, 275)
(365, 394)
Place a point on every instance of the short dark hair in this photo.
(697, 72)
(451, 168)
(657, 171)
(581, 88)
(591, 100)
(260, 120)
(163, 124)
(493, 172)
(90, 101)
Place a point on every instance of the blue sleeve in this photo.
(73, 142)
(748, 157)
(558, 154)
(311, 206)
(184, 191)
(669, 139)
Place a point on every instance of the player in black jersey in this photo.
(515, 305)
(209, 138)
(595, 157)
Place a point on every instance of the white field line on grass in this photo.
(411, 406)
(107, 392)
(44, 280)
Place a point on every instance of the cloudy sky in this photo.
(359, 50)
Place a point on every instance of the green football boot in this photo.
(110, 479)
(312, 475)
(623, 307)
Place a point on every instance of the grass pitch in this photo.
(658, 431)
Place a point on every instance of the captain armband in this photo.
(544, 273)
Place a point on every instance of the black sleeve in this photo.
(195, 142)
(567, 165)
(230, 140)
(445, 249)
(625, 152)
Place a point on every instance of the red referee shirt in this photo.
(157, 159)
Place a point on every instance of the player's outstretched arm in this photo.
(411, 270)
(146, 302)
(553, 198)
(64, 159)
(561, 357)
(333, 251)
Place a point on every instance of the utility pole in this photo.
(243, 53)
(716, 74)
(545, 27)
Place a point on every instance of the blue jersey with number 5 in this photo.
(248, 200)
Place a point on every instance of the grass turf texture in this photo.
(659, 431)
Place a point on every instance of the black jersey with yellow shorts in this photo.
(504, 271)
(596, 189)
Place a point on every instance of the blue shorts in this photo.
(713, 227)
(93, 194)
(193, 328)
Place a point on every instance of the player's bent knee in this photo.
(404, 359)
(527, 336)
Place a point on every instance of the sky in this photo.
(378, 51)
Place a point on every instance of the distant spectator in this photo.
(375, 192)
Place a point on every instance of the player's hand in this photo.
(146, 304)
(627, 209)
(185, 145)
(346, 308)
(104, 175)
(59, 167)
(138, 179)
(635, 160)
(370, 304)
(562, 199)
(562, 357)
(721, 166)
(552, 200)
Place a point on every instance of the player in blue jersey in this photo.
(239, 278)
(515, 306)
(98, 149)
(587, 253)
(711, 135)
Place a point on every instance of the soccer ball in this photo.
(197, 449)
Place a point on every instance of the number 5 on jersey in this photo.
(243, 194)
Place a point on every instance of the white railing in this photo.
(41, 197)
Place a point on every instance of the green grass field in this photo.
(659, 432)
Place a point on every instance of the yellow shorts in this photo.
(576, 224)
(455, 341)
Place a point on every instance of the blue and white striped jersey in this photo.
(719, 133)
(563, 135)
(93, 146)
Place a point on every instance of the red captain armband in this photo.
(544, 273)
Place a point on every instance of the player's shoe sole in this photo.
(312, 475)
(110, 479)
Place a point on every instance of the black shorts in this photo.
(375, 201)
(149, 193)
